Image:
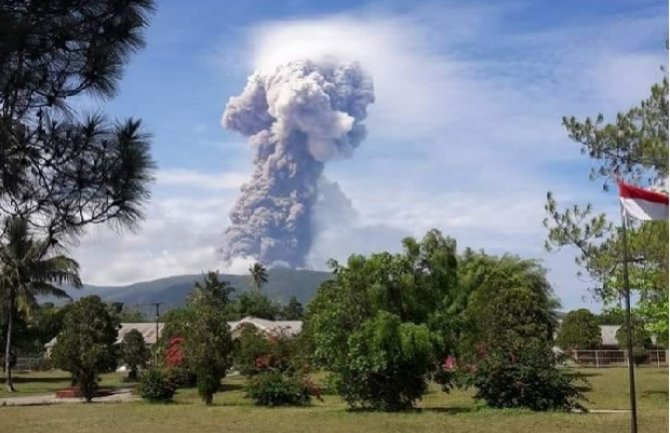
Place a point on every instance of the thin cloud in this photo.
(208, 181)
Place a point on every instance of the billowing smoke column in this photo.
(298, 117)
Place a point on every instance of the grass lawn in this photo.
(47, 382)
(440, 412)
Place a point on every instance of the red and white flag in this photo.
(643, 204)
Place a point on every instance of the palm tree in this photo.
(259, 275)
(28, 270)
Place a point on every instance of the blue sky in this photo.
(465, 134)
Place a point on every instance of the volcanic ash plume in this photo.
(297, 118)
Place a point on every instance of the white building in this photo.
(268, 327)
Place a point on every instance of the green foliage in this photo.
(292, 310)
(654, 312)
(611, 316)
(274, 388)
(527, 379)
(181, 377)
(156, 386)
(641, 341)
(134, 352)
(249, 347)
(386, 364)
(132, 315)
(381, 325)
(259, 275)
(28, 269)
(579, 330)
(212, 290)
(208, 344)
(85, 345)
(634, 148)
(509, 302)
(256, 304)
(61, 171)
(505, 347)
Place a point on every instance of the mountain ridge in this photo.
(171, 292)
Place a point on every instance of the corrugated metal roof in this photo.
(148, 330)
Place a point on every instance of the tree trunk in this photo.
(9, 384)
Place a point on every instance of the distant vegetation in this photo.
(283, 283)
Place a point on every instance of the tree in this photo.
(634, 148)
(212, 290)
(508, 279)
(61, 171)
(259, 275)
(86, 344)
(292, 311)
(251, 345)
(579, 330)
(134, 352)
(388, 362)
(28, 269)
(256, 304)
(641, 341)
(207, 341)
(383, 323)
(507, 335)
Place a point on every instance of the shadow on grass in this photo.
(584, 375)
(654, 393)
(418, 410)
(32, 379)
(231, 387)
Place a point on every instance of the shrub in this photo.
(640, 355)
(579, 330)
(134, 353)
(274, 388)
(155, 386)
(529, 379)
(387, 364)
(249, 347)
(641, 339)
(86, 344)
(207, 342)
(181, 377)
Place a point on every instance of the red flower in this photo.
(449, 363)
(174, 355)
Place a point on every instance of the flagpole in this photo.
(629, 342)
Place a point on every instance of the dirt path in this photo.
(118, 395)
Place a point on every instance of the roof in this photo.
(276, 327)
(608, 334)
(148, 330)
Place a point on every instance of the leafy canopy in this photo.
(379, 325)
(86, 344)
(634, 148)
(579, 330)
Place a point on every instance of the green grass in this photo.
(440, 412)
(47, 382)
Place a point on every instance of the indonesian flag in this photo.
(643, 204)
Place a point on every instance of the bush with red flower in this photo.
(273, 363)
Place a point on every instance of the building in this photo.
(148, 329)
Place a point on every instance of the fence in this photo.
(31, 363)
(613, 358)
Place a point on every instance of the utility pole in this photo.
(158, 315)
(629, 342)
